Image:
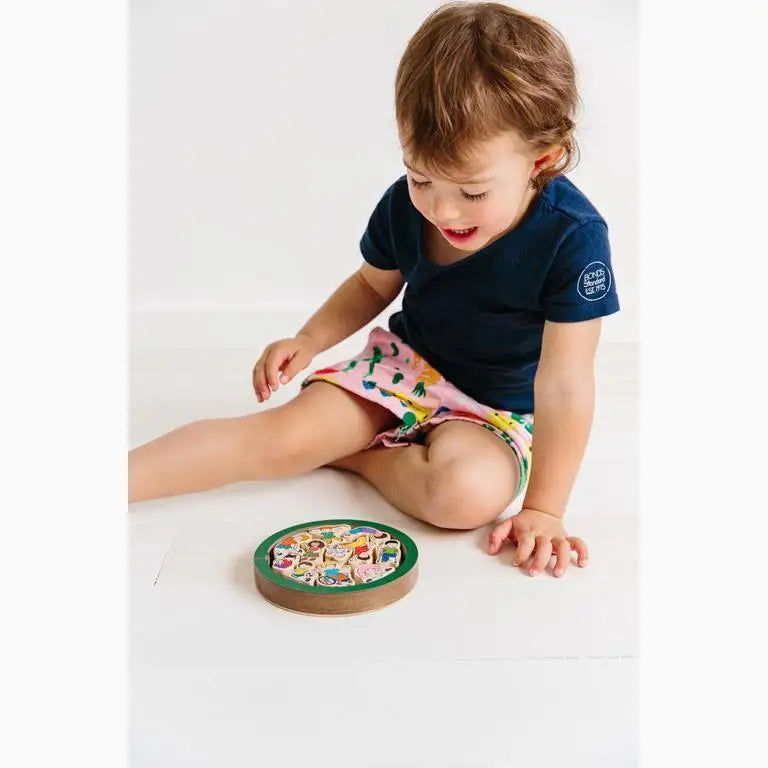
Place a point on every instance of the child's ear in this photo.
(548, 158)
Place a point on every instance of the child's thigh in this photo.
(476, 470)
(324, 422)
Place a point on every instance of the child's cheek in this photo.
(418, 203)
(486, 218)
(497, 219)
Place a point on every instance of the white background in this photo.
(263, 134)
(63, 238)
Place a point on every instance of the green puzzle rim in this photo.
(261, 557)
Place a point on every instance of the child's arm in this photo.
(564, 398)
(355, 302)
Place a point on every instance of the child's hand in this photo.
(539, 537)
(280, 362)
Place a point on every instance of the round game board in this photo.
(338, 566)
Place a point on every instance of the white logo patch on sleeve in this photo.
(594, 281)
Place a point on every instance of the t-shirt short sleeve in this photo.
(580, 284)
(376, 244)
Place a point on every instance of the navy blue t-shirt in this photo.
(479, 321)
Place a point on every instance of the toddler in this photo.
(507, 272)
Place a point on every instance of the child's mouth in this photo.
(460, 235)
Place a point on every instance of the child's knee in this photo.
(463, 495)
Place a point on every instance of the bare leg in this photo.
(463, 477)
(322, 423)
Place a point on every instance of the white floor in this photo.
(478, 667)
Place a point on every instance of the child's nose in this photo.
(445, 211)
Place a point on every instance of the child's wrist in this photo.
(549, 511)
(308, 337)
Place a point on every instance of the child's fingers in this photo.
(257, 377)
(581, 550)
(526, 564)
(260, 377)
(525, 545)
(260, 383)
(543, 554)
(498, 535)
(274, 362)
(563, 551)
(297, 363)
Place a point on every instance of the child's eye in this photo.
(420, 184)
(467, 196)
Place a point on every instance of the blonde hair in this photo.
(475, 70)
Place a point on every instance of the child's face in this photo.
(480, 203)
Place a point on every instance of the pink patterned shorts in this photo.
(388, 372)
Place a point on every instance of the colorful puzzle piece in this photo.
(284, 550)
(316, 558)
(368, 572)
(330, 531)
(339, 553)
(314, 545)
(335, 577)
(363, 529)
(304, 572)
(389, 553)
(285, 565)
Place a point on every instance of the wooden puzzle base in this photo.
(335, 567)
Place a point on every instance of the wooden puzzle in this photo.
(336, 566)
